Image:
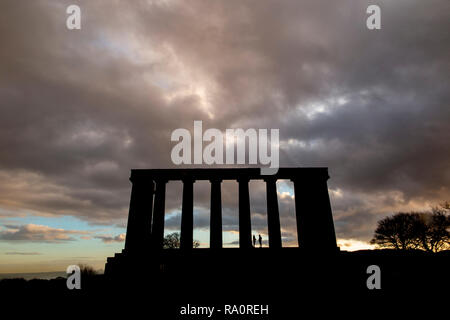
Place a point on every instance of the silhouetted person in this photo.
(260, 241)
(254, 241)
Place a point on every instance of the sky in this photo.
(80, 108)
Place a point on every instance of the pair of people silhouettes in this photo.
(259, 240)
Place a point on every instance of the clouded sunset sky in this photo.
(80, 108)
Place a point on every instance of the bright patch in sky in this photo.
(353, 245)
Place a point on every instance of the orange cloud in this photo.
(109, 239)
(38, 233)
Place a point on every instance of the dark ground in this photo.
(289, 282)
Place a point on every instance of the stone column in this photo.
(273, 215)
(300, 213)
(315, 226)
(215, 231)
(245, 228)
(158, 217)
(327, 239)
(187, 215)
(139, 216)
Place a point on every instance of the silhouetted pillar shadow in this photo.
(315, 226)
(273, 215)
(215, 232)
(158, 217)
(187, 215)
(140, 215)
(245, 228)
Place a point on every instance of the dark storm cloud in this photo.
(80, 108)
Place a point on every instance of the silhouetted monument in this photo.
(146, 278)
(145, 229)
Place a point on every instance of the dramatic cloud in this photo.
(79, 109)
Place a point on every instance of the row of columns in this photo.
(313, 214)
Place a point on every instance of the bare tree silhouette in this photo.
(397, 231)
(437, 236)
(172, 241)
(427, 231)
